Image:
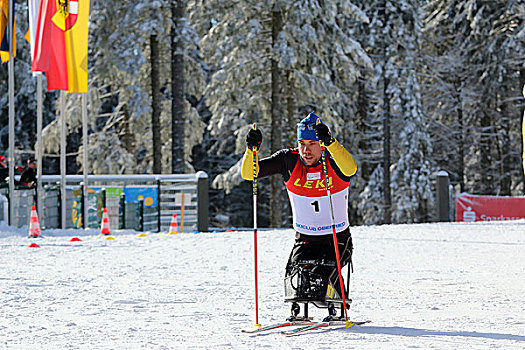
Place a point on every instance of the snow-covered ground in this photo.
(442, 286)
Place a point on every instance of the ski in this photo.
(318, 325)
(279, 325)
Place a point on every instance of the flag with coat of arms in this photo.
(60, 47)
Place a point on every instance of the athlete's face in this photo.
(310, 151)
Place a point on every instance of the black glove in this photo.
(254, 139)
(323, 134)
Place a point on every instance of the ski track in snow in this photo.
(428, 286)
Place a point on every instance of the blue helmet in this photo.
(305, 128)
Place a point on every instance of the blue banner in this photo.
(133, 194)
(148, 194)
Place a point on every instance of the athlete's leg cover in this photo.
(312, 264)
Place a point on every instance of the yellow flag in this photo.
(4, 40)
(76, 36)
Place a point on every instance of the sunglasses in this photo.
(303, 127)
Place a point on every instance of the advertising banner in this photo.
(470, 208)
(92, 203)
(113, 205)
(147, 194)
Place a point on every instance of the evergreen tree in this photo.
(391, 41)
(486, 38)
(121, 96)
(412, 174)
(402, 103)
(318, 59)
(371, 199)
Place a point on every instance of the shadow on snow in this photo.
(415, 332)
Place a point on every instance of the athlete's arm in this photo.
(344, 160)
(278, 163)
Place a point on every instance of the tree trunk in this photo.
(361, 116)
(505, 124)
(485, 166)
(386, 152)
(177, 88)
(387, 197)
(276, 125)
(290, 138)
(522, 85)
(127, 136)
(462, 144)
(291, 130)
(155, 104)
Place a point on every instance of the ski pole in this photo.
(254, 186)
(323, 157)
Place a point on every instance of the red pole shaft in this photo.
(256, 280)
(334, 234)
(339, 271)
(254, 183)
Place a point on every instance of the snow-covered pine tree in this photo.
(412, 174)
(120, 86)
(447, 97)
(385, 46)
(487, 38)
(333, 67)
(319, 60)
(412, 194)
(371, 205)
(395, 110)
(117, 89)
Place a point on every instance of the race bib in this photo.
(311, 215)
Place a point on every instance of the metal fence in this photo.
(140, 202)
(22, 200)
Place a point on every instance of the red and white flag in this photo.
(61, 43)
(33, 6)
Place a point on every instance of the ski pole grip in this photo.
(317, 122)
(254, 127)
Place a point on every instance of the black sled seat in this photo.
(309, 282)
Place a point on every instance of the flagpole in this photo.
(63, 158)
(33, 7)
(11, 73)
(39, 143)
(86, 167)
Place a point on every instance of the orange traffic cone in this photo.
(105, 223)
(173, 225)
(34, 226)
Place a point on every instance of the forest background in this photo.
(407, 86)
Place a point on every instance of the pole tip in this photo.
(349, 324)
